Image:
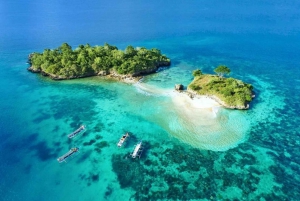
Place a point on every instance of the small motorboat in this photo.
(122, 140)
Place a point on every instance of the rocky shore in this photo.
(192, 94)
(65, 63)
(129, 78)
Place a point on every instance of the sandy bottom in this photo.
(152, 90)
(200, 122)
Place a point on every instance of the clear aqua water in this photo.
(236, 155)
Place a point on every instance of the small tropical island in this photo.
(85, 61)
(229, 92)
(65, 63)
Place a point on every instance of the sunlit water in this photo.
(190, 152)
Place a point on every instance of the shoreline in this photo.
(181, 98)
(190, 97)
(201, 122)
(112, 75)
(193, 94)
(198, 101)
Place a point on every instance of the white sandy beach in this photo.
(197, 121)
(198, 102)
(182, 100)
(202, 126)
(195, 112)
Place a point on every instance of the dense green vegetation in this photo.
(231, 91)
(85, 60)
(221, 70)
(197, 73)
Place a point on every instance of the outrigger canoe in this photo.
(137, 151)
(68, 154)
(80, 130)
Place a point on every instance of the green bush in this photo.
(87, 60)
(230, 90)
(197, 73)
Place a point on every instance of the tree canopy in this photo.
(231, 91)
(197, 72)
(221, 70)
(85, 60)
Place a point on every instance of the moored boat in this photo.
(68, 154)
(80, 130)
(138, 149)
(122, 140)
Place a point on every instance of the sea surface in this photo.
(214, 154)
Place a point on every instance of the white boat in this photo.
(68, 154)
(80, 130)
(137, 152)
(122, 140)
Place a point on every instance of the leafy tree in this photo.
(86, 60)
(221, 70)
(232, 91)
(130, 51)
(65, 48)
(197, 72)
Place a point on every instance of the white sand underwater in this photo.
(201, 121)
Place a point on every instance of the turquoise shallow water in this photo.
(39, 113)
(235, 155)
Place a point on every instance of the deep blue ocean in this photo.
(235, 155)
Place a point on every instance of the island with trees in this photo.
(229, 92)
(84, 61)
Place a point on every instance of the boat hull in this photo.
(64, 157)
(77, 132)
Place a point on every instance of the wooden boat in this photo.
(137, 151)
(122, 140)
(68, 154)
(80, 130)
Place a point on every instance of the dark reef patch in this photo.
(92, 141)
(41, 117)
(108, 192)
(63, 107)
(100, 145)
(132, 169)
(98, 137)
(95, 177)
(57, 144)
(91, 177)
(110, 124)
(83, 157)
(98, 127)
(43, 152)
(181, 173)
(31, 138)
(158, 168)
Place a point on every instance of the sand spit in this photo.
(199, 121)
(197, 102)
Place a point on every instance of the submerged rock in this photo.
(178, 87)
